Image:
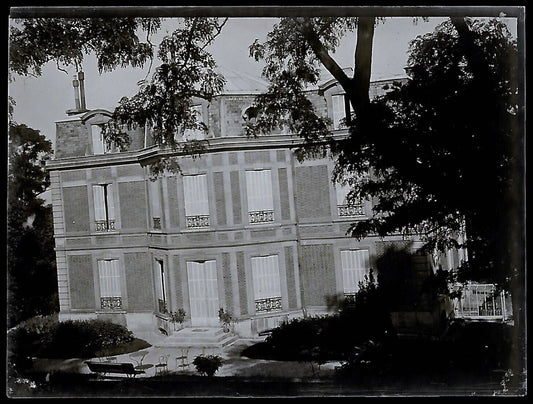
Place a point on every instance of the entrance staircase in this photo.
(198, 337)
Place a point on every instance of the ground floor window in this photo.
(110, 289)
(161, 288)
(355, 265)
(266, 281)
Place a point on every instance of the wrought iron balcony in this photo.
(157, 223)
(268, 304)
(104, 225)
(261, 216)
(199, 221)
(351, 210)
(111, 303)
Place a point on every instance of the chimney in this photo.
(75, 84)
(81, 77)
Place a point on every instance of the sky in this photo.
(40, 101)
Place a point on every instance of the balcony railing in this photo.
(104, 225)
(351, 210)
(261, 216)
(111, 303)
(157, 223)
(196, 222)
(268, 304)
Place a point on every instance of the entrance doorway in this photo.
(203, 292)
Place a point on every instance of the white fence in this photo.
(482, 302)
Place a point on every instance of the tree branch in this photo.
(322, 53)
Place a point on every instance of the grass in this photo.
(133, 346)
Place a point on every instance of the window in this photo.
(155, 202)
(266, 281)
(195, 134)
(344, 208)
(196, 201)
(110, 290)
(340, 112)
(259, 194)
(355, 265)
(104, 207)
(98, 142)
(161, 288)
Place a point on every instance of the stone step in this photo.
(199, 338)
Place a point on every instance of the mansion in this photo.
(246, 227)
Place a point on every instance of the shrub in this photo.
(225, 318)
(207, 365)
(177, 316)
(366, 317)
(75, 338)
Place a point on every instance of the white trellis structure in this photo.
(482, 301)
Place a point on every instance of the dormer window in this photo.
(196, 134)
(98, 142)
(341, 110)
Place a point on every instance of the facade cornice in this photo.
(149, 155)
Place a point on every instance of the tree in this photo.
(442, 151)
(32, 281)
(187, 70)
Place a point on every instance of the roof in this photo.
(241, 83)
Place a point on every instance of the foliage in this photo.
(48, 338)
(177, 316)
(334, 336)
(225, 318)
(441, 145)
(30, 243)
(36, 41)
(207, 365)
(187, 72)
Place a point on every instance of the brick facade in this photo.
(306, 233)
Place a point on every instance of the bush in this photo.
(319, 338)
(75, 338)
(207, 365)
(44, 336)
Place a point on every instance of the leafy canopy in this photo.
(114, 41)
(440, 145)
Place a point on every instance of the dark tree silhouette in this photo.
(32, 279)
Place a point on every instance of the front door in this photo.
(203, 292)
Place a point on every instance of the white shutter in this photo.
(195, 191)
(339, 111)
(109, 275)
(342, 192)
(97, 139)
(355, 265)
(110, 202)
(265, 274)
(155, 198)
(259, 190)
(203, 292)
(99, 202)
